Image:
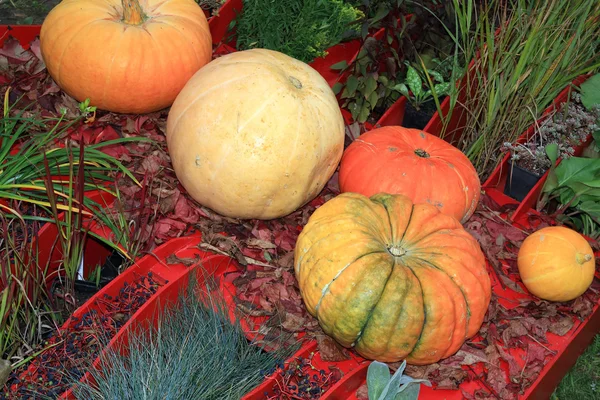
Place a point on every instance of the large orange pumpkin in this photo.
(255, 134)
(392, 279)
(123, 56)
(556, 263)
(414, 163)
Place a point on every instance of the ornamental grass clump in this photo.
(525, 53)
(302, 29)
(194, 352)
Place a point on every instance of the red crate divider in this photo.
(219, 24)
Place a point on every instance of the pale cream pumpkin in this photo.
(255, 134)
(127, 56)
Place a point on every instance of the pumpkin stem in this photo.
(582, 259)
(396, 251)
(422, 153)
(132, 12)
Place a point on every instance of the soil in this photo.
(418, 119)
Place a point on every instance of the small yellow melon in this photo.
(556, 263)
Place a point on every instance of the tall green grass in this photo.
(526, 52)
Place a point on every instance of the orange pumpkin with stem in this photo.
(392, 279)
(126, 56)
(399, 160)
(556, 264)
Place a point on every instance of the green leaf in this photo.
(552, 152)
(337, 88)
(340, 65)
(378, 376)
(591, 207)
(370, 86)
(414, 81)
(351, 85)
(384, 80)
(373, 99)
(442, 89)
(381, 13)
(596, 136)
(436, 76)
(590, 92)
(577, 169)
(364, 113)
(364, 31)
(354, 109)
(411, 392)
(401, 87)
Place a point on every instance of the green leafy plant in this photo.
(194, 352)
(382, 385)
(575, 185)
(30, 162)
(370, 88)
(564, 130)
(302, 29)
(413, 89)
(367, 89)
(379, 74)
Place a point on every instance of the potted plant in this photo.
(555, 138)
(422, 101)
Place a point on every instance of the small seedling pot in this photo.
(519, 181)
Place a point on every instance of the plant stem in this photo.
(132, 12)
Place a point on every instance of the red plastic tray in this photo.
(346, 367)
(176, 278)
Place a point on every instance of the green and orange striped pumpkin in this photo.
(392, 279)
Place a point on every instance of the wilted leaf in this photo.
(330, 350)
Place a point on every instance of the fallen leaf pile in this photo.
(505, 357)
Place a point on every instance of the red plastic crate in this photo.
(176, 278)
(346, 367)
(496, 181)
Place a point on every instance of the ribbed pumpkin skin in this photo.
(420, 304)
(255, 134)
(556, 263)
(91, 53)
(387, 160)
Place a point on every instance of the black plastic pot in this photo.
(519, 182)
(418, 119)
